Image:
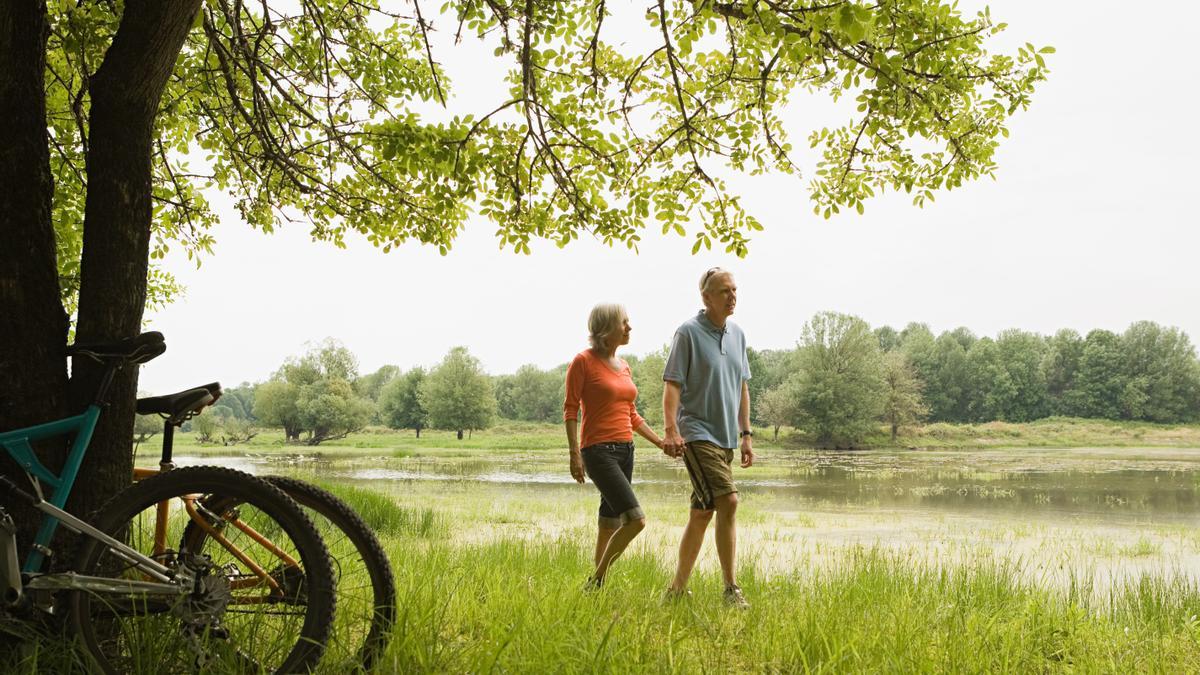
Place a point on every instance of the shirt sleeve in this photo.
(678, 359)
(576, 374)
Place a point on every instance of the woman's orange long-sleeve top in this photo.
(606, 396)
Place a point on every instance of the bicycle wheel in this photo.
(365, 587)
(261, 600)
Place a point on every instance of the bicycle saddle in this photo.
(138, 349)
(180, 404)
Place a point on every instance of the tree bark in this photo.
(125, 94)
(33, 324)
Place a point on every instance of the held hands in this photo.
(576, 466)
(672, 443)
(747, 452)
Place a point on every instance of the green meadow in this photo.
(1041, 548)
(1049, 547)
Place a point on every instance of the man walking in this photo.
(706, 405)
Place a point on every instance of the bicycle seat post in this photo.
(168, 445)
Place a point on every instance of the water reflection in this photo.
(1020, 483)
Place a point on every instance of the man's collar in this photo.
(704, 321)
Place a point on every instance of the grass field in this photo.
(490, 575)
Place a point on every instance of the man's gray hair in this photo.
(604, 318)
(710, 274)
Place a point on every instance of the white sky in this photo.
(1088, 225)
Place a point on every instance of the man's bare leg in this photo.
(727, 536)
(689, 547)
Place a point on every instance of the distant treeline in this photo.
(842, 379)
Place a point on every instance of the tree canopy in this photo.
(327, 112)
(458, 395)
(314, 394)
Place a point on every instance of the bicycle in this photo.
(254, 594)
(363, 580)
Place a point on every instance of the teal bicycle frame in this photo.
(18, 445)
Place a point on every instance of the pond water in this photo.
(1147, 485)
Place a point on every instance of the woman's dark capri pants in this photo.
(610, 466)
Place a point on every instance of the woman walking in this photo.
(602, 386)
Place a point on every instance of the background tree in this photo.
(840, 382)
(400, 403)
(1060, 366)
(647, 375)
(370, 386)
(948, 389)
(205, 426)
(918, 343)
(1021, 354)
(1159, 365)
(234, 431)
(889, 338)
(145, 427)
(778, 406)
(1100, 382)
(768, 369)
(531, 395)
(902, 405)
(457, 394)
(313, 394)
(276, 403)
(240, 401)
(329, 409)
(991, 389)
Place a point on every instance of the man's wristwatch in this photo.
(746, 433)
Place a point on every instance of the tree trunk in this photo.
(418, 431)
(776, 432)
(460, 434)
(125, 94)
(33, 325)
(895, 428)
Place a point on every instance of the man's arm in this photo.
(672, 441)
(744, 425)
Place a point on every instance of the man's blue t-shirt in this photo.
(710, 365)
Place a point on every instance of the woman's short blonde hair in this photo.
(603, 320)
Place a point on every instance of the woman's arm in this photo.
(647, 433)
(573, 444)
(575, 377)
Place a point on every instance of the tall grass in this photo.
(383, 515)
(513, 606)
(516, 607)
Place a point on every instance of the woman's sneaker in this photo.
(734, 597)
